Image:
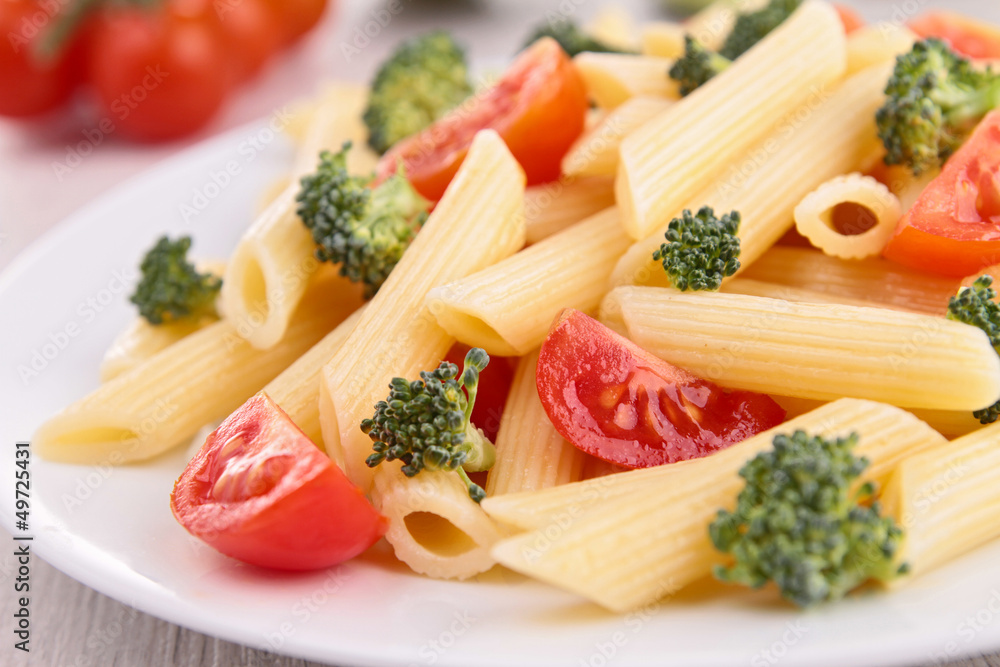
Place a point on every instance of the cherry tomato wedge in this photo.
(618, 402)
(538, 107)
(954, 228)
(28, 84)
(850, 18)
(972, 38)
(260, 491)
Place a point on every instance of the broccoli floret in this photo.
(798, 523)
(977, 306)
(365, 229)
(701, 249)
(171, 288)
(570, 38)
(425, 423)
(421, 81)
(752, 27)
(697, 66)
(935, 98)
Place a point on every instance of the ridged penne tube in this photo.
(947, 499)
(670, 158)
(507, 308)
(433, 526)
(613, 26)
(877, 43)
(596, 151)
(851, 217)
(749, 287)
(885, 283)
(906, 186)
(531, 455)
(478, 222)
(552, 207)
(164, 401)
(296, 390)
(624, 545)
(663, 39)
(816, 350)
(141, 340)
(827, 137)
(950, 423)
(713, 24)
(272, 263)
(613, 78)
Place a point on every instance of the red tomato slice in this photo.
(538, 107)
(954, 228)
(850, 18)
(494, 385)
(260, 491)
(969, 37)
(616, 401)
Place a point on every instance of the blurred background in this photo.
(91, 112)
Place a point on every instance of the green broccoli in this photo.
(697, 66)
(365, 229)
(171, 287)
(935, 98)
(421, 81)
(425, 423)
(799, 524)
(571, 38)
(752, 27)
(977, 306)
(701, 249)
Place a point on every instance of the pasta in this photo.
(770, 181)
(851, 217)
(271, 266)
(875, 44)
(531, 455)
(663, 524)
(663, 39)
(595, 153)
(613, 78)
(877, 280)
(507, 308)
(553, 207)
(814, 350)
(668, 160)
(165, 400)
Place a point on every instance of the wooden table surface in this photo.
(75, 626)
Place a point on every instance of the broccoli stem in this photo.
(969, 107)
(482, 453)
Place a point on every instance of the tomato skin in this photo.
(539, 107)
(253, 33)
(971, 38)
(29, 87)
(596, 388)
(954, 228)
(162, 73)
(283, 503)
(851, 19)
(297, 17)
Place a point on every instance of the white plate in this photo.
(112, 528)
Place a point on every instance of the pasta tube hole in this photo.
(437, 535)
(255, 291)
(850, 218)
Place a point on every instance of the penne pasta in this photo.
(811, 146)
(713, 24)
(507, 308)
(660, 516)
(876, 44)
(749, 287)
(877, 280)
(669, 159)
(613, 78)
(663, 39)
(851, 217)
(141, 340)
(552, 207)
(947, 499)
(815, 350)
(165, 400)
(595, 153)
(613, 26)
(272, 263)
(397, 335)
(531, 455)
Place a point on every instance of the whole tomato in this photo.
(253, 29)
(160, 72)
(29, 83)
(297, 16)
